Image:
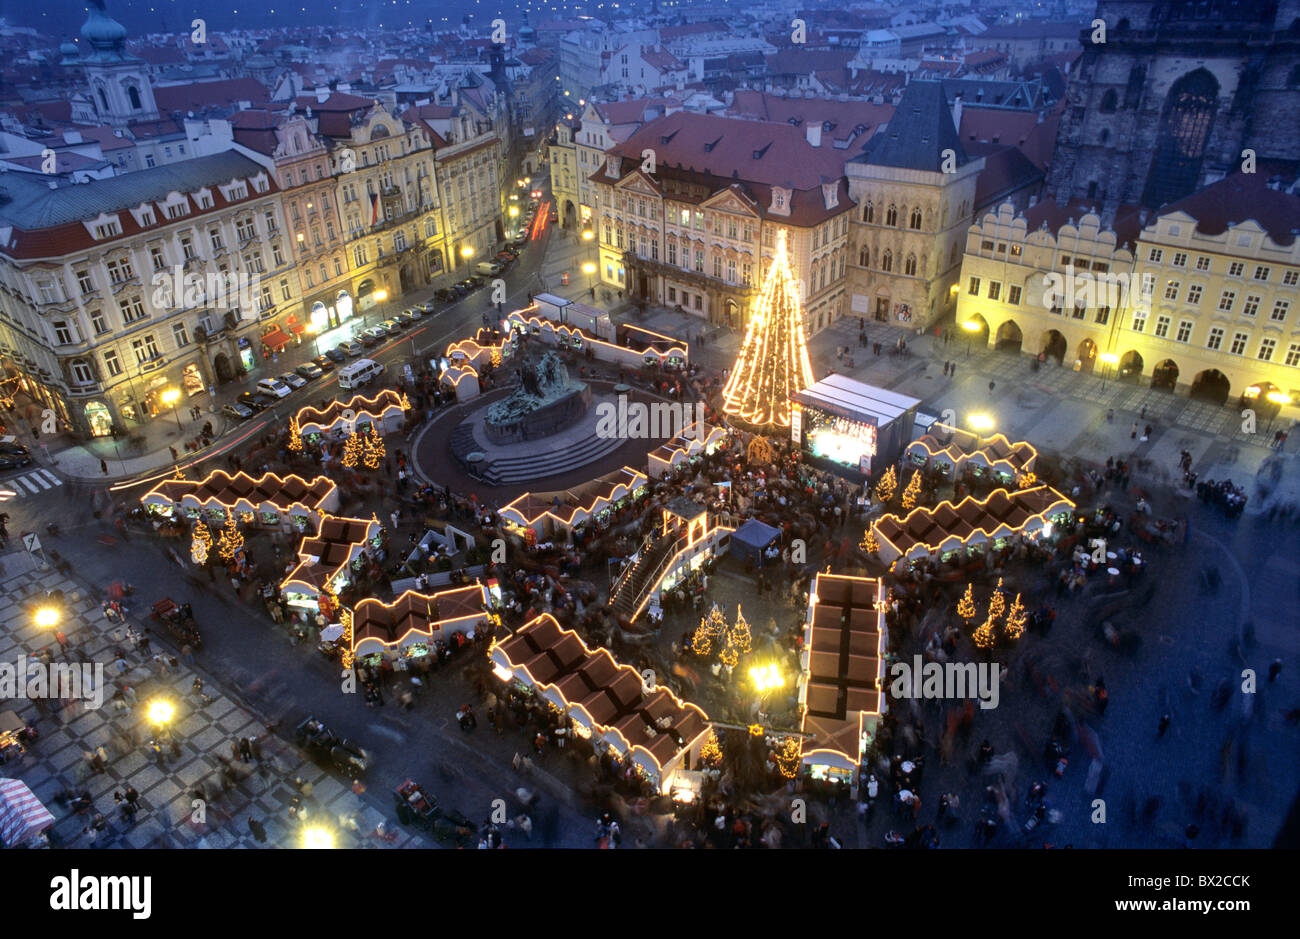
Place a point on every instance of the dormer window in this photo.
(831, 194)
(780, 201)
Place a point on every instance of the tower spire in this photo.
(773, 362)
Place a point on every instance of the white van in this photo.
(487, 268)
(359, 373)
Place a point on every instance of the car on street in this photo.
(424, 308)
(553, 217)
(332, 356)
(273, 388)
(351, 349)
(309, 371)
(447, 294)
(256, 402)
(293, 380)
(10, 461)
(373, 335)
(404, 319)
(240, 412)
(393, 326)
(10, 446)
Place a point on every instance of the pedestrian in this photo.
(1132, 434)
(258, 830)
(245, 750)
(234, 750)
(187, 654)
(175, 456)
(952, 371)
(1164, 725)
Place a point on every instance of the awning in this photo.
(276, 339)
(297, 328)
(22, 816)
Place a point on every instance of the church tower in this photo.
(120, 88)
(1173, 95)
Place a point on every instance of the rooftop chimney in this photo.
(322, 94)
(814, 132)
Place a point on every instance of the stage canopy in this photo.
(750, 539)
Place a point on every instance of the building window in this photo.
(1251, 306)
(1184, 331)
(1155, 255)
(1215, 339)
(1293, 354)
(1280, 309)
(1226, 300)
(84, 283)
(915, 221)
(112, 363)
(1180, 259)
(1266, 349)
(132, 309)
(887, 264)
(1013, 295)
(1235, 269)
(974, 288)
(63, 334)
(869, 213)
(1194, 294)
(672, 294)
(909, 268)
(277, 255)
(98, 322)
(1291, 278)
(1139, 321)
(1238, 346)
(244, 229)
(1162, 327)
(699, 301)
(731, 270)
(119, 271)
(180, 334)
(81, 373)
(1103, 315)
(1171, 290)
(1261, 273)
(747, 273)
(699, 260)
(891, 217)
(1202, 263)
(672, 251)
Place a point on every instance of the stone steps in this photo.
(546, 463)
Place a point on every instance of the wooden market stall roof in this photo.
(613, 696)
(565, 505)
(962, 445)
(1002, 510)
(391, 623)
(226, 490)
(361, 407)
(699, 436)
(322, 557)
(844, 645)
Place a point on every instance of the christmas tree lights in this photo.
(985, 636)
(966, 605)
(231, 541)
(711, 753)
(887, 486)
(1016, 617)
(773, 363)
(352, 451)
(913, 491)
(869, 543)
(295, 435)
(200, 544)
(372, 450)
(997, 602)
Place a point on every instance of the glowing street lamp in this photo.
(514, 211)
(766, 677)
(161, 711)
(47, 617)
(980, 422)
(1107, 359)
(971, 328)
(317, 837)
(381, 295)
(589, 269)
(588, 234)
(170, 398)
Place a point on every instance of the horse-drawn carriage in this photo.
(179, 621)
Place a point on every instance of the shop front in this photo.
(98, 420)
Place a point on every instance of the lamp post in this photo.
(1108, 359)
(381, 297)
(589, 269)
(980, 422)
(171, 397)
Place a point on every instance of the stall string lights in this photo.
(200, 544)
(179, 474)
(773, 363)
(1026, 480)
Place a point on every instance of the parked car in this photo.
(331, 356)
(309, 371)
(293, 380)
(240, 412)
(12, 460)
(10, 446)
(424, 308)
(393, 326)
(506, 257)
(404, 319)
(256, 402)
(373, 335)
(329, 748)
(273, 388)
(351, 349)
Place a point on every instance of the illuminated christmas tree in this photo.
(737, 636)
(711, 753)
(788, 755)
(869, 543)
(352, 451)
(231, 541)
(295, 435)
(887, 486)
(372, 450)
(1014, 627)
(773, 362)
(997, 602)
(985, 636)
(405, 402)
(912, 492)
(966, 605)
(200, 544)
(708, 638)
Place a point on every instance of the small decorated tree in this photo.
(869, 543)
(200, 544)
(966, 605)
(231, 541)
(295, 436)
(1014, 627)
(372, 448)
(887, 486)
(352, 451)
(997, 602)
(708, 638)
(985, 635)
(912, 494)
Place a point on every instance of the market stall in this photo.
(23, 819)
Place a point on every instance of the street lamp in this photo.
(589, 269)
(971, 328)
(317, 837)
(980, 422)
(1107, 359)
(171, 397)
(161, 711)
(47, 617)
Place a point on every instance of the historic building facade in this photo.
(163, 289)
(1174, 95)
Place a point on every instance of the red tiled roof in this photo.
(1238, 198)
(197, 96)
